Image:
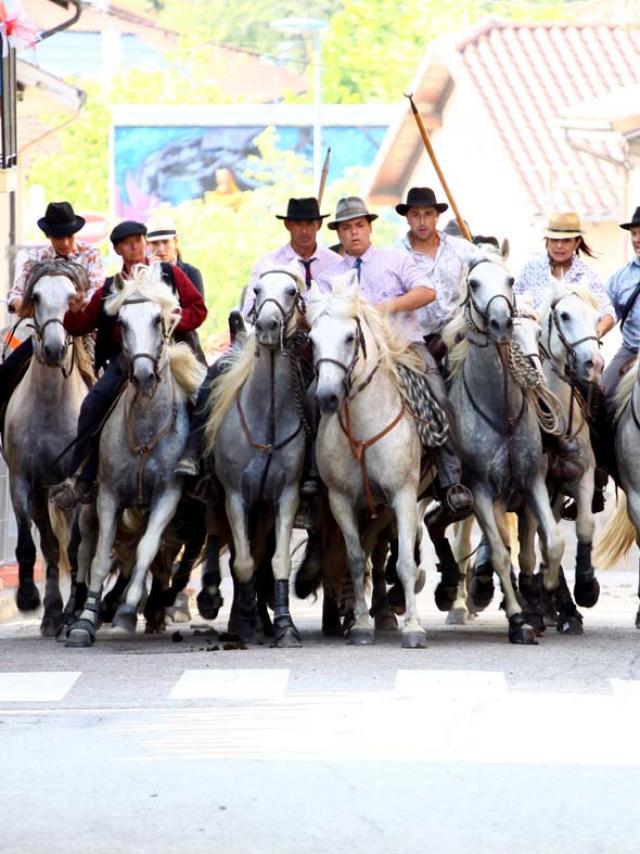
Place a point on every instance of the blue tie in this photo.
(358, 267)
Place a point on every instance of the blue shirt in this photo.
(620, 287)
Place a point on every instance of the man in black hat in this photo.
(624, 291)
(60, 224)
(303, 221)
(128, 239)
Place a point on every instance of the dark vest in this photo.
(108, 347)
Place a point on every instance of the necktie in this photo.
(358, 267)
(307, 270)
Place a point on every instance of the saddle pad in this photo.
(431, 419)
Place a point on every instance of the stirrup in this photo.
(64, 494)
(458, 499)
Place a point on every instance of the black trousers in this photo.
(193, 449)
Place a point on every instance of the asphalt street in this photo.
(145, 744)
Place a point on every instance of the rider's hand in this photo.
(77, 303)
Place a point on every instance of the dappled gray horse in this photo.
(141, 441)
(256, 435)
(40, 423)
(499, 434)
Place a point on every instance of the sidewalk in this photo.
(8, 584)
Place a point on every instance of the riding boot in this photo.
(12, 370)
(311, 485)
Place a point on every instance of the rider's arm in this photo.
(191, 300)
(82, 321)
(416, 298)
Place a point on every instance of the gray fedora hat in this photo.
(350, 207)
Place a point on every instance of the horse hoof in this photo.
(287, 637)
(386, 621)
(570, 626)
(360, 637)
(151, 628)
(209, 604)
(28, 597)
(414, 639)
(520, 632)
(481, 592)
(51, 625)
(421, 580)
(536, 621)
(125, 619)
(63, 632)
(587, 594)
(445, 595)
(332, 630)
(395, 598)
(457, 617)
(81, 634)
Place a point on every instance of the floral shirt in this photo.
(385, 274)
(86, 256)
(445, 274)
(535, 279)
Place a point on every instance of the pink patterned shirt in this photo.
(385, 274)
(86, 256)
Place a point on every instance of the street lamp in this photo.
(311, 26)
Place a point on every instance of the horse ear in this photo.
(505, 249)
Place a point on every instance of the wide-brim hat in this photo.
(350, 207)
(563, 226)
(423, 197)
(60, 220)
(128, 228)
(634, 223)
(303, 209)
(160, 228)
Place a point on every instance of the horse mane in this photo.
(225, 387)
(625, 389)
(345, 301)
(76, 274)
(564, 290)
(145, 282)
(185, 368)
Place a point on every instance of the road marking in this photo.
(451, 684)
(36, 687)
(230, 684)
(627, 689)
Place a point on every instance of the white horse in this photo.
(368, 449)
(141, 441)
(40, 423)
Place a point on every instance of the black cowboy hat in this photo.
(423, 197)
(128, 228)
(635, 221)
(60, 220)
(301, 209)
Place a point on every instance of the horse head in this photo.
(526, 334)
(147, 311)
(490, 302)
(278, 296)
(569, 332)
(342, 343)
(50, 287)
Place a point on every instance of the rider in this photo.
(162, 238)
(302, 220)
(391, 280)
(624, 288)
(128, 239)
(60, 224)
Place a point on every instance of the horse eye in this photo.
(564, 315)
(349, 338)
(35, 298)
(511, 281)
(256, 290)
(290, 291)
(473, 284)
(157, 320)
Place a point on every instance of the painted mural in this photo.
(152, 165)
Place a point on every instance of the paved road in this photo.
(147, 745)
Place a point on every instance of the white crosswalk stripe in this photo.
(230, 684)
(36, 687)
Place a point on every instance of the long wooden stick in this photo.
(323, 176)
(427, 144)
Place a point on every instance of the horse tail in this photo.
(618, 538)
(62, 533)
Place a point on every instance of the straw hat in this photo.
(564, 226)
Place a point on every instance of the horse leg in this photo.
(209, 600)
(83, 631)
(361, 631)
(52, 619)
(286, 634)
(459, 613)
(76, 595)
(27, 594)
(527, 581)
(154, 609)
(383, 614)
(586, 588)
(159, 517)
(519, 630)
(406, 510)
(552, 540)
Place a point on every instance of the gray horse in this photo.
(40, 423)
(499, 435)
(141, 442)
(256, 436)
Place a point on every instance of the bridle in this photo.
(483, 315)
(156, 357)
(296, 305)
(39, 330)
(360, 347)
(570, 346)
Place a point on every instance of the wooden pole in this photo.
(323, 176)
(432, 155)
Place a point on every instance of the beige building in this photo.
(523, 122)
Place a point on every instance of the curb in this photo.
(8, 608)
